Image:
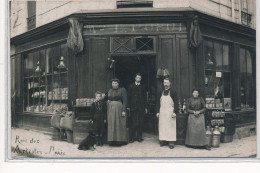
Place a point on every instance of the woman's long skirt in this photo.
(117, 130)
(196, 132)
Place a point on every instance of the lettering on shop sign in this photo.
(32, 147)
(135, 28)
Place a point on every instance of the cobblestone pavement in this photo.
(27, 143)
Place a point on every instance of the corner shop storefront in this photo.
(223, 66)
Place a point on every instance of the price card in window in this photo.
(218, 74)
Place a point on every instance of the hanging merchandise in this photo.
(38, 67)
(159, 73)
(162, 73)
(61, 65)
(166, 73)
(75, 39)
(195, 36)
(112, 64)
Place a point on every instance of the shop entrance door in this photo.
(125, 69)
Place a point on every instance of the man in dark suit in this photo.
(137, 106)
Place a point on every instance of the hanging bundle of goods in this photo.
(162, 73)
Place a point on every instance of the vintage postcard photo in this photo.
(105, 79)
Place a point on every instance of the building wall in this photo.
(49, 10)
(18, 15)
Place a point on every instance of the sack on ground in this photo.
(67, 121)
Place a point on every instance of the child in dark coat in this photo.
(99, 116)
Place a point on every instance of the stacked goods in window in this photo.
(58, 94)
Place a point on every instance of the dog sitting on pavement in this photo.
(88, 143)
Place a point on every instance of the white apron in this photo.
(167, 124)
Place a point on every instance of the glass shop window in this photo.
(247, 80)
(46, 80)
(217, 75)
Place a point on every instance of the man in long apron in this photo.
(167, 100)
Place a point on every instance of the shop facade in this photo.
(121, 43)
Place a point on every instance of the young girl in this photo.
(98, 111)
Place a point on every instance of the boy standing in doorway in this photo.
(137, 107)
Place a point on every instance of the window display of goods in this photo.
(218, 114)
(84, 101)
(36, 108)
(227, 103)
(217, 122)
(32, 85)
(56, 106)
(219, 104)
(58, 94)
(38, 94)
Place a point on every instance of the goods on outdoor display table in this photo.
(218, 119)
(84, 101)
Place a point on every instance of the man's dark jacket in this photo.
(136, 97)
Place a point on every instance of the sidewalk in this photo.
(35, 144)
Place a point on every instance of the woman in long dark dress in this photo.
(116, 114)
(196, 132)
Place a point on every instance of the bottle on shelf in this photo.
(180, 106)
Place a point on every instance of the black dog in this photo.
(88, 143)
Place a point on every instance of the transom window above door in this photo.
(132, 44)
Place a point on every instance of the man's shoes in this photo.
(140, 140)
(171, 146)
(131, 141)
(162, 144)
(207, 147)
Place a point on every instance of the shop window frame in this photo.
(45, 76)
(253, 66)
(222, 70)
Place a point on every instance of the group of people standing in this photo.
(113, 108)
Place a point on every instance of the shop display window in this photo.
(247, 80)
(217, 75)
(46, 80)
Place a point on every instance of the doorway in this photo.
(125, 69)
